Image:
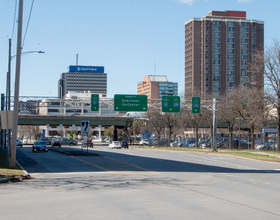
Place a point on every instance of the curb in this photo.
(20, 178)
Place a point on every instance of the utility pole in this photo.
(214, 125)
(16, 96)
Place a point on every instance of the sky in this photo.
(130, 38)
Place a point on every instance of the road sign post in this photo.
(129, 103)
(94, 102)
(170, 104)
(195, 105)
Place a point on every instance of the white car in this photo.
(115, 144)
(144, 142)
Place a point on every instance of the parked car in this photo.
(115, 144)
(40, 146)
(144, 142)
(19, 143)
(124, 144)
(96, 140)
(56, 143)
(88, 143)
(266, 146)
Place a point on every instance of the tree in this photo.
(228, 112)
(269, 64)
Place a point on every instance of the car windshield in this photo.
(116, 142)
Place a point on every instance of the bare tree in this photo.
(228, 111)
(269, 64)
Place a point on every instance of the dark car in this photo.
(87, 143)
(66, 141)
(19, 143)
(56, 143)
(48, 142)
(40, 146)
(124, 144)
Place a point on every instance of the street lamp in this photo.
(8, 89)
(16, 96)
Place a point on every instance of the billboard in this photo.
(91, 69)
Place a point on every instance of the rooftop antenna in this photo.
(155, 67)
(77, 58)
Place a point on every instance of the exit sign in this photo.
(130, 103)
(195, 104)
(170, 104)
(94, 104)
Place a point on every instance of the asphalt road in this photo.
(141, 184)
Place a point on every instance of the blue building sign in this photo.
(91, 69)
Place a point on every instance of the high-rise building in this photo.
(219, 49)
(83, 79)
(155, 86)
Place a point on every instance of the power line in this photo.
(15, 11)
(28, 22)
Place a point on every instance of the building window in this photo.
(216, 51)
(230, 62)
(216, 62)
(215, 28)
(216, 34)
(244, 24)
(216, 22)
(230, 29)
(230, 34)
(216, 45)
(230, 23)
(216, 39)
(231, 46)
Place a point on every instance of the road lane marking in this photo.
(115, 160)
(94, 165)
(132, 165)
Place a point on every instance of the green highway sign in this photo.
(94, 104)
(130, 103)
(195, 104)
(170, 104)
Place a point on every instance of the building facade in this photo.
(219, 49)
(156, 86)
(83, 79)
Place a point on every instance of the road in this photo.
(141, 184)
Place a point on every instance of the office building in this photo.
(219, 49)
(83, 79)
(156, 86)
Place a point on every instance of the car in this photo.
(96, 140)
(48, 142)
(56, 143)
(124, 144)
(19, 143)
(144, 142)
(88, 143)
(40, 146)
(115, 144)
(66, 141)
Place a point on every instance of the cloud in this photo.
(188, 2)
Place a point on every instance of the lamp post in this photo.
(8, 89)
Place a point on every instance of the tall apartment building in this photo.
(156, 86)
(218, 50)
(83, 79)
